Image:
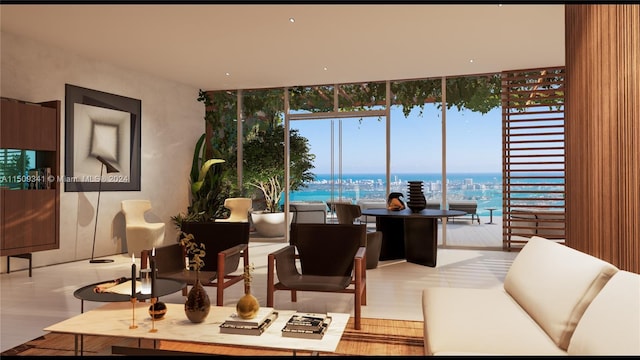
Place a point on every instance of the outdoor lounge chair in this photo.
(468, 206)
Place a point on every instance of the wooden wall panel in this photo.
(533, 155)
(603, 131)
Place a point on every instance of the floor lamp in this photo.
(110, 169)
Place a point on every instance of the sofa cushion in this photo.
(554, 284)
(480, 321)
(611, 324)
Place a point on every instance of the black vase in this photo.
(198, 304)
(158, 310)
(416, 200)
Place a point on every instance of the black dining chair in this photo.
(350, 214)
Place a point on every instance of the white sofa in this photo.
(555, 301)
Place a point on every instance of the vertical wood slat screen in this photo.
(533, 155)
(603, 131)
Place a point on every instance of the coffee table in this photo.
(164, 287)
(114, 319)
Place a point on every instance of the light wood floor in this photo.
(462, 233)
(393, 288)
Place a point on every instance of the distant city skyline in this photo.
(474, 142)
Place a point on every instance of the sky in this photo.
(474, 142)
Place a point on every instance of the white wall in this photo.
(172, 121)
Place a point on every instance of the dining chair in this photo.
(239, 209)
(350, 214)
(347, 213)
(140, 233)
(331, 257)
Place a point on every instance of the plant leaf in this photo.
(195, 187)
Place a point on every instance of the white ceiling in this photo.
(259, 47)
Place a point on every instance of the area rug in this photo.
(377, 337)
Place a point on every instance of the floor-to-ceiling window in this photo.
(369, 139)
(350, 159)
(346, 127)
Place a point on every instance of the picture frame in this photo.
(99, 124)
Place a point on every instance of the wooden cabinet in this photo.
(30, 218)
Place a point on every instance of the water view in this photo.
(485, 188)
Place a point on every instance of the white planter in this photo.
(270, 224)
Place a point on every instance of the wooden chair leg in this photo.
(360, 295)
(220, 280)
(364, 294)
(357, 305)
(270, 280)
(364, 284)
(220, 294)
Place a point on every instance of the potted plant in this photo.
(209, 189)
(263, 152)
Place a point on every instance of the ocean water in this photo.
(485, 188)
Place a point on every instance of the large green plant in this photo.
(264, 162)
(263, 148)
(208, 188)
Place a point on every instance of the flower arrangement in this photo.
(247, 273)
(195, 251)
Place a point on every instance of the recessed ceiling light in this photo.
(325, 68)
(292, 20)
(228, 74)
(471, 60)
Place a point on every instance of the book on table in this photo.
(306, 325)
(262, 314)
(249, 327)
(306, 321)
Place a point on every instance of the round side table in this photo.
(491, 215)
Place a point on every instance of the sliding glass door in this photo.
(350, 159)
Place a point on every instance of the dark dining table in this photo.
(410, 235)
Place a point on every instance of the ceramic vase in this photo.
(416, 200)
(248, 306)
(198, 303)
(394, 202)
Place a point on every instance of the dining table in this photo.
(410, 235)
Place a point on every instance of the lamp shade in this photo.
(110, 168)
